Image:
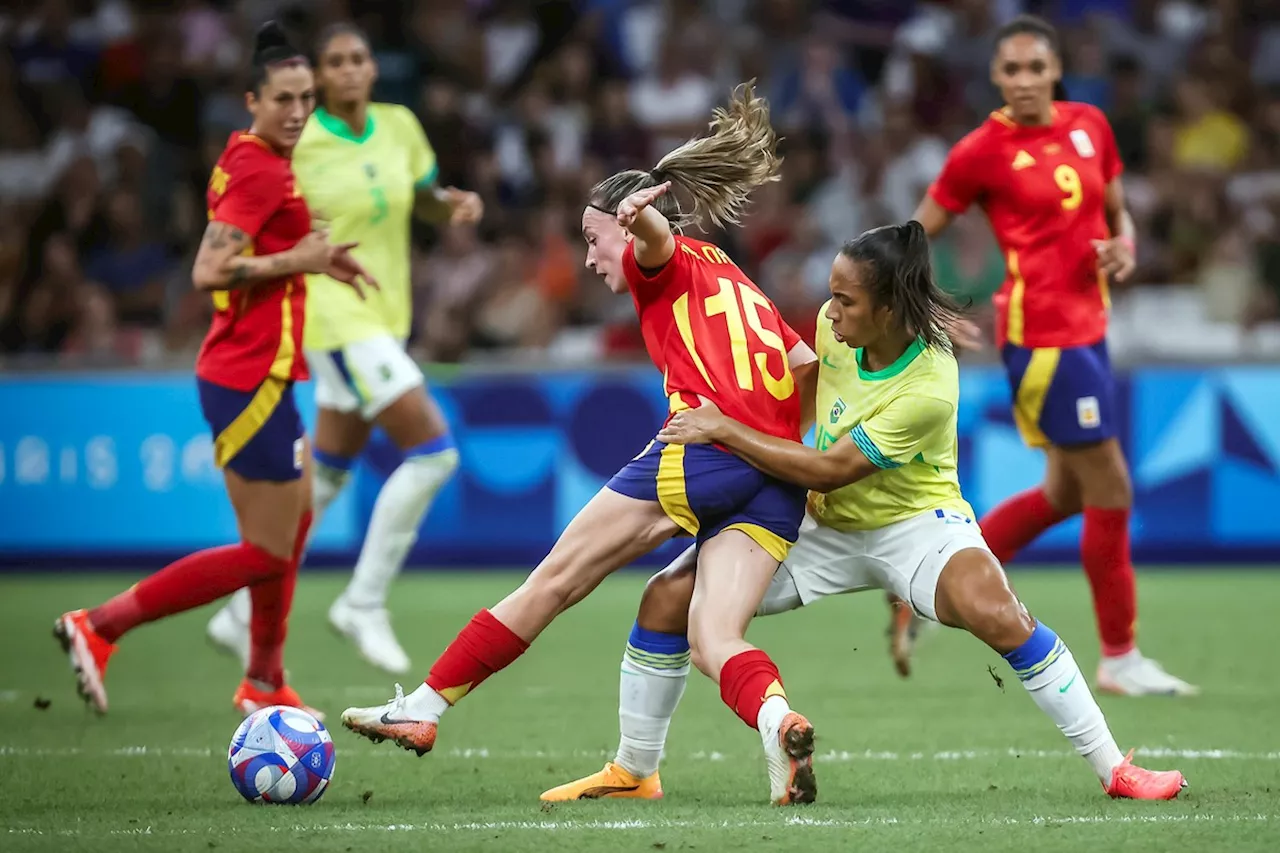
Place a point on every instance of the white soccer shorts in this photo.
(905, 558)
(366, 376)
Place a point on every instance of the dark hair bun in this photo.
(270, 44)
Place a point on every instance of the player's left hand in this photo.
(964, 334)
(631, 206)
(468, 207)
(693, 426)
(1115, 257)
(346, 269)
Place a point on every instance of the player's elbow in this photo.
(828, 479)
(202, 277)
(206, 276)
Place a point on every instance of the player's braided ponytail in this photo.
(898, 273)
(717, 171)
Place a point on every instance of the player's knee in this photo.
(665, 604)
(1000, 620)
(1103, 475)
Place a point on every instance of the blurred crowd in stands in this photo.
(113, 112)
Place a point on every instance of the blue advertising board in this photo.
(117, 468)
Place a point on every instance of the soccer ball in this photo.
(281, 755)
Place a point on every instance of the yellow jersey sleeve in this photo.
(422, 157)
(894, 436)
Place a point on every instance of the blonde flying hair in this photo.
(717, 171)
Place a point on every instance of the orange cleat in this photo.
(790, 762)
(250, 697)
(393, 722)
(903, 628)
(89, 654)
(1129, 782)
(613, 782)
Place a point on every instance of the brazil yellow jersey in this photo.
(903, 418)
(363, 188)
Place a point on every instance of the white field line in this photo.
(798, 823)
(830, 756)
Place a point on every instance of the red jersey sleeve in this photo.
(641, 280)
(960, 182)
(255, 191)
(1112, 165)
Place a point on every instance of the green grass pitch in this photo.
(946, 760)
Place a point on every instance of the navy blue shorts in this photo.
(1062, 397)
(706, 491)
(258, 434)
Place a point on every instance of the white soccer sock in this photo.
(1057, 686)
(401, 505)
(425, 704)
(325, 486)
(647, 700)
(770, 717)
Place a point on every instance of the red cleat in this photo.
(250, 697)
(89, 654)
(1129, 782)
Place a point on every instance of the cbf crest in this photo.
(837, 409)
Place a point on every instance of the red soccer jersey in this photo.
(1043, 189)
(711, 332)
(256, 331)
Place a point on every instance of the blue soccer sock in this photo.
(655, 667)
(1048, 671)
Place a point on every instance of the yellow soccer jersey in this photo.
(903, 418)
(363, 188)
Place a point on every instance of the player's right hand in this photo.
(314, 252)
(631, 206)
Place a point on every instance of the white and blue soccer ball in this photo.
(281, 755)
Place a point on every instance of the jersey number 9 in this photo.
(1068, 180)
(726, 302)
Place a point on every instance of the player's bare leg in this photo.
(733, 573)
(340, 438)
(973, 593)
(655, 668)
(275, 517)
(607, 534)
(1107, 495)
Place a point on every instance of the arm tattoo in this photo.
(238, 274)
(215, 236)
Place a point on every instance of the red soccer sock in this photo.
(195, 580)
(1017, 521)
(746, 681)
(482, 648)
(269, 618)
(1104, 550)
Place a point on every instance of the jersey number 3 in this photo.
(726, 302)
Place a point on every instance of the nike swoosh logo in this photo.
(604, 790)
(1064, 688)
(387, 721)
(827, 363)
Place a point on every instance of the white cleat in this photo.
(230, 634)
(788, 754)
(369, 628)
(1135, 675)
(395, 721)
